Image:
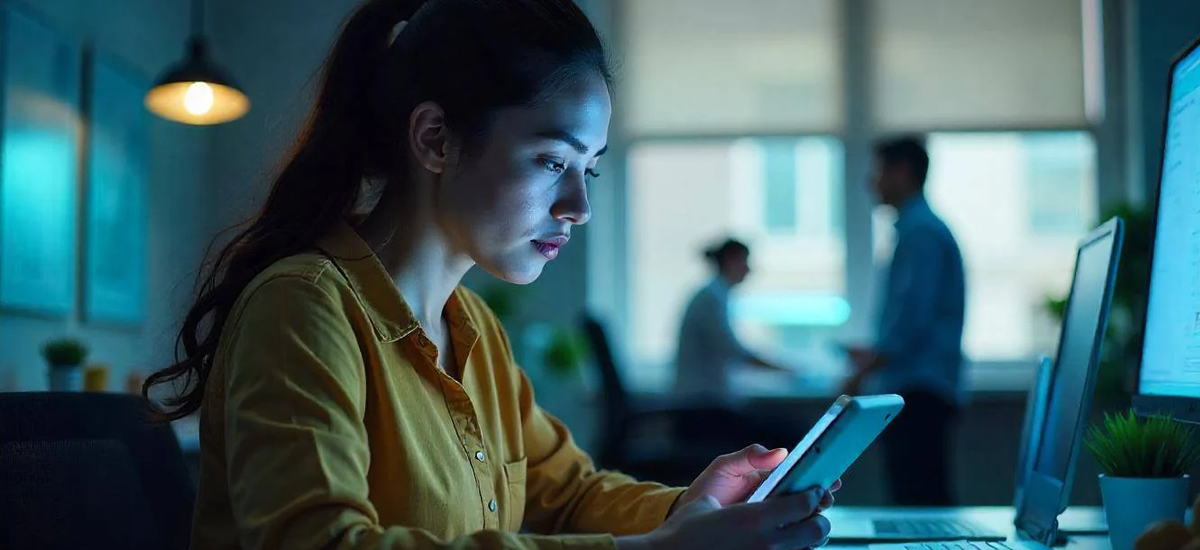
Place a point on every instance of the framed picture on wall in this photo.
(115, 172)
(39, 165)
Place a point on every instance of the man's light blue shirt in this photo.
(922, 307)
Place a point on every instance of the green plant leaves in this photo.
(1155, 447)
(566, 351)
(64, 352)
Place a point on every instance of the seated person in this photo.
(708, 346)
(708, 351)
(352, 394)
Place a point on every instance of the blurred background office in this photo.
(753, 118)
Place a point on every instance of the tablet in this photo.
(832, 445)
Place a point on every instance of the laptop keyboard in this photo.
(931, 529)
(961, 545)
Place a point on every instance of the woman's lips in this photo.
(550, 247)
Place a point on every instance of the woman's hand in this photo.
(1168, 535)
(731, 478)
(1172, 535)
(786, 522)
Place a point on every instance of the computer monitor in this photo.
(1169, 377)
(1048, 487)
(1031, 429)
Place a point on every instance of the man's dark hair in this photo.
(908, 151)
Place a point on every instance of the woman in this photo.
(351, 393)
(708, 347)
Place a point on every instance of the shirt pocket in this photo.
(515, 475)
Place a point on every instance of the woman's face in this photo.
(735, 268)
(511, 203)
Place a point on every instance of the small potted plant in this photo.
(1145, 465)
(65, 357)
(565, 353)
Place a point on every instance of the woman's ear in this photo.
(428, 137)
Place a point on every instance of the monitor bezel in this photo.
(1045, 497)
(1184, 409)
(1036, 404)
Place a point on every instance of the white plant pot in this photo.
(66, 378)
(1131, 505)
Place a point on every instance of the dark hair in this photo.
(907, 151)
(720, 254)
(471, 57)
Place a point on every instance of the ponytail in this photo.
(318, 186)
(720, 253)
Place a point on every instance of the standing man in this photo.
(918, 341)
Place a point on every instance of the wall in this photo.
(148, 35)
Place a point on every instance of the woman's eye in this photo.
(555, 166)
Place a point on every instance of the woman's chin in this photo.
(521, 273)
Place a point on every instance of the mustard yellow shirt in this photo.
(327, 424)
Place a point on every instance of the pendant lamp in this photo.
(196, 91)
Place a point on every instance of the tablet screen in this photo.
(772, 482)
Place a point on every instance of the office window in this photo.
(798, 182)
(685, 195)
(779, 180)
(1060, 182)
(717, 67)
(988, 187)
(978, 63)
(1009, 92)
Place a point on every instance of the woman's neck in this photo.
(403, 233)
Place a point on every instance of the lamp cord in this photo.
(197, 18)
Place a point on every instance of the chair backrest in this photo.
(616, 404)
(90, 470)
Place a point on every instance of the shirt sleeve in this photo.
(296, 444)
(567, 494)
(916, 271)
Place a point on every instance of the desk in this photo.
(997, 517)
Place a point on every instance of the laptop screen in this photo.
(1072, 380)
(1076, 355)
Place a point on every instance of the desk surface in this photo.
(997, 517)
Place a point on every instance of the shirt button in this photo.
(479, 456)
(492, 505)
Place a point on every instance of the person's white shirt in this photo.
(708, 347)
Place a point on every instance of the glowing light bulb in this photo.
(198, 99)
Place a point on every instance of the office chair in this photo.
(90, 470)
(682, 460)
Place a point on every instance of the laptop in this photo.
(922, 527)
(1049, 475)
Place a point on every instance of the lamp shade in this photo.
(196, 91)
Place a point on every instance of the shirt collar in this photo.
(911, 209)
(391, 317)
(718, 286)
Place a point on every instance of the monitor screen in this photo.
(1171, 351)
(1078, 355)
